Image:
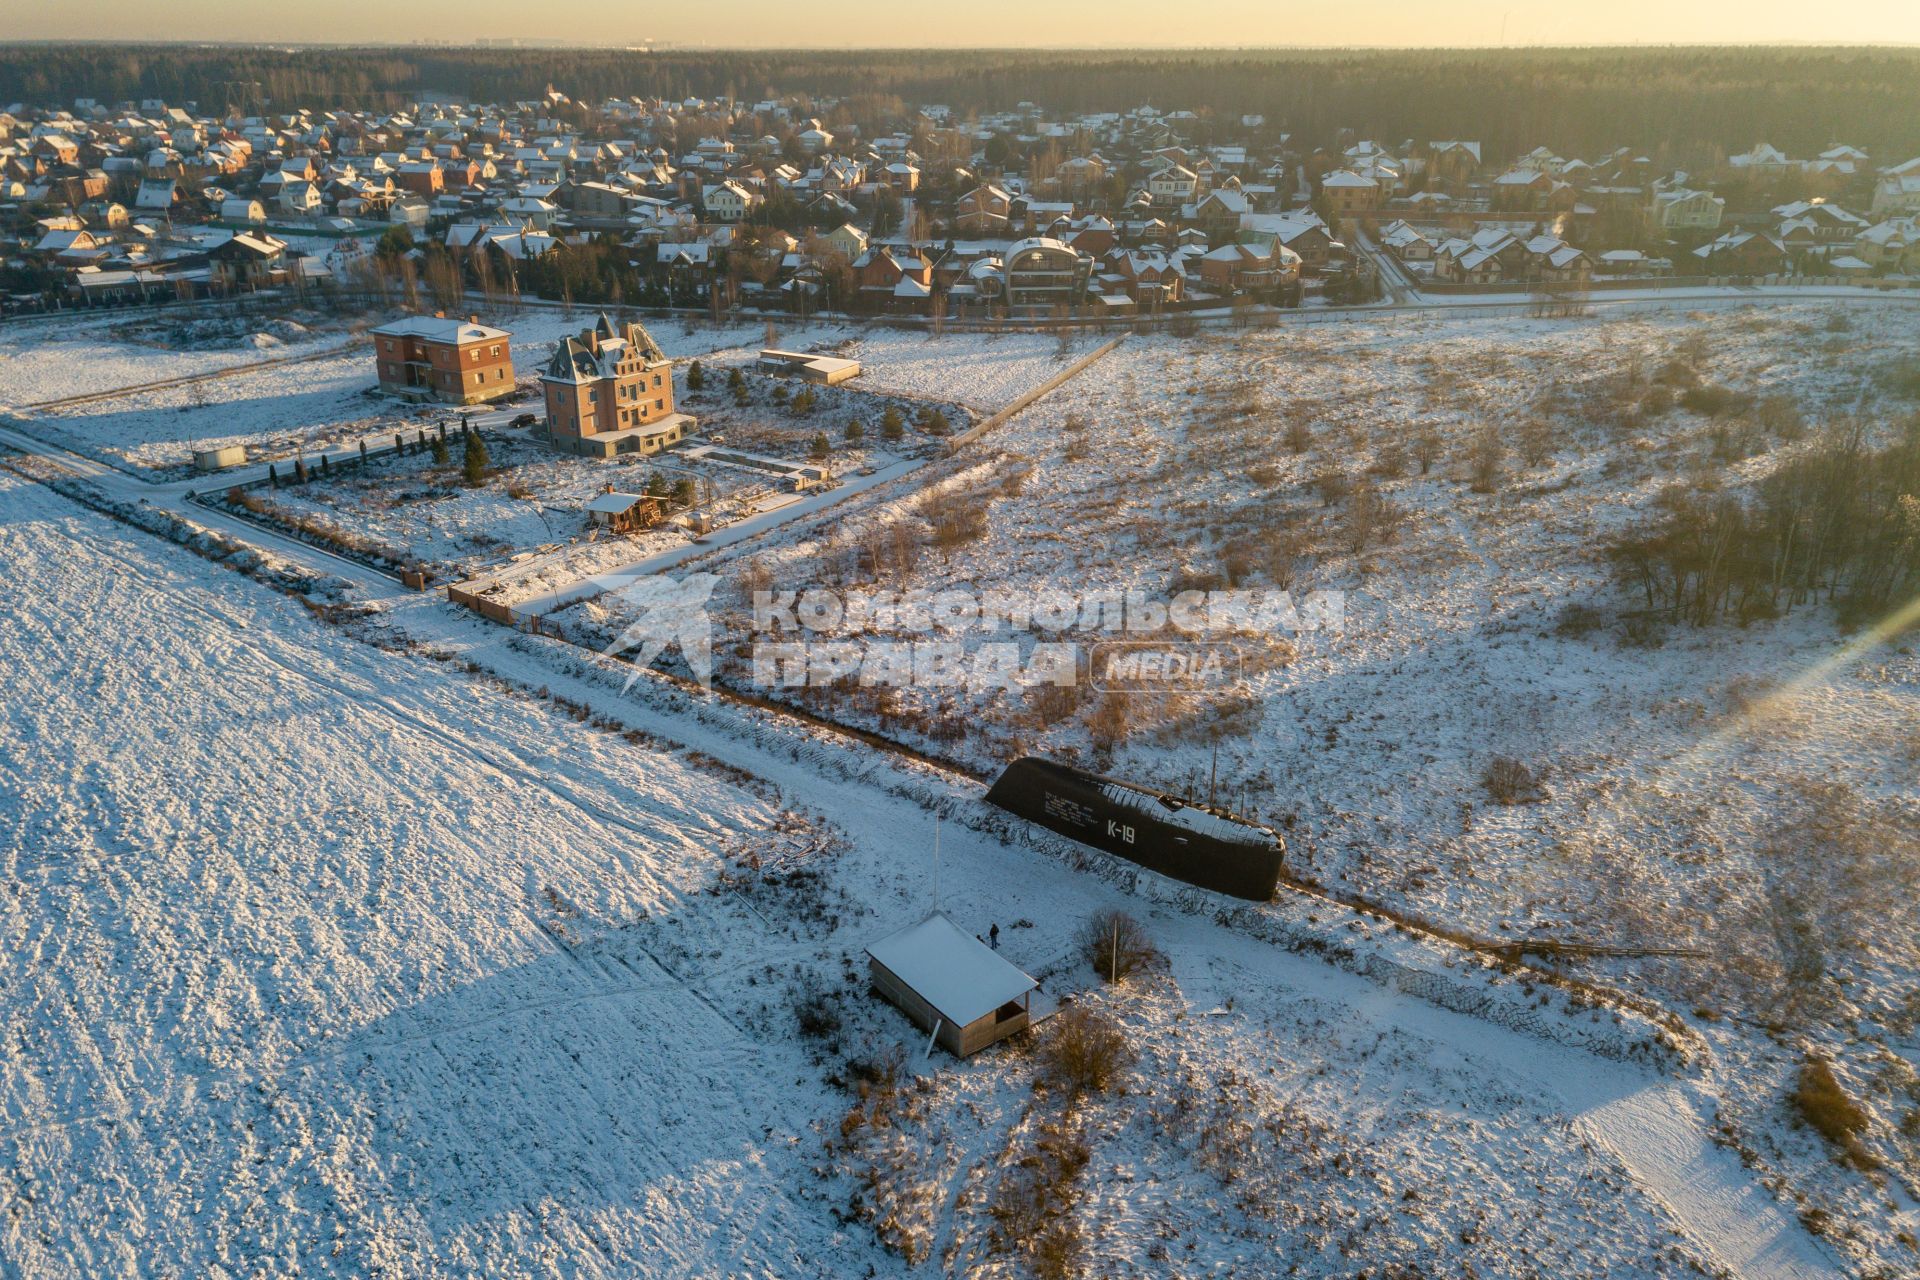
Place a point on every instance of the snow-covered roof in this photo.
(960, 976)
(614, 503)
(440, 329)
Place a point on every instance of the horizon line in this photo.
(510, 43)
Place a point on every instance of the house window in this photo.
(474, 355)
(593, 397)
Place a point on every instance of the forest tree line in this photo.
(1685, 104)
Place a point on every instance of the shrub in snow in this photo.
(1825, 1106)
(1084, 1051)
(1486, 459)
(1116, 945)
(816, 1013)
(1030, 1205)
(1508, 781)
(1578, 620)
(1426, 449)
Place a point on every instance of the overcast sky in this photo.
(1062, 23)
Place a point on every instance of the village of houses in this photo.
(515, 269)
(465, 372)
(725, 205)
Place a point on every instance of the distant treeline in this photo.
(1687, 104)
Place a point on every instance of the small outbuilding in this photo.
(219, 458)
(952, 984)
(826, 370)
(624, 512)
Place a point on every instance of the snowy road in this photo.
(1661, 1134)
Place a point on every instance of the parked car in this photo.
(523, 420)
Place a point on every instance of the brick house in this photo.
(1151, 279)
(1218, 213)
(1092, 234)
(1257, 268)
(452, 361)
(609, 391)
(1522, 190)
(422, 177)
(1349, 192)
(1451, 164)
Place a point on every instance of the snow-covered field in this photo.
(278, 411)
(983, 371)
(326, 961)
(52, 359)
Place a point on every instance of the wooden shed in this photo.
(952, 984)
(625, 512)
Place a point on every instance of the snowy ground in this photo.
(329, 959)
(277, 411)
(339, 957)
(1166, 466)
(984, 371)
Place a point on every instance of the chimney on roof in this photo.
(473, 319)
